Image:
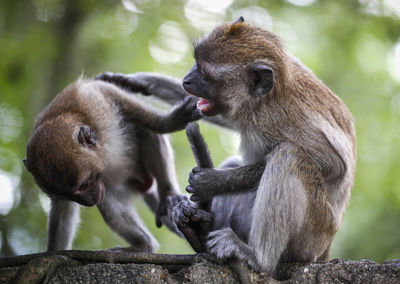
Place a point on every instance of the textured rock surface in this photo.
(104, 267)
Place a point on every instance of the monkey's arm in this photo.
(166, 88)
(62, 224)
(206, 183)
(158, 160)
(152, 119)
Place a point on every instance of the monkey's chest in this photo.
(254, 152)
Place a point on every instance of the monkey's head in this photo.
(237, 68)
(62, 157)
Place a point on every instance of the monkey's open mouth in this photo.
(102, 191)
(206, 107)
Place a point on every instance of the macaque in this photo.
(95, 144)
(298, 148)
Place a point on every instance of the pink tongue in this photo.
(204, 105)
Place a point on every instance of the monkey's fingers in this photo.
(188, 109)
(202, 216)
(196, 170)
(179, 218)
(183, 212)
(173, 200)
(190, 190)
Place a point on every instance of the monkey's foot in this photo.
(184, 211)
(225, 244)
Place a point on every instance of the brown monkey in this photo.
(298, 144)
(294, 179)
(97, 145)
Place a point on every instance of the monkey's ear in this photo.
(238, 20)
(236, 26)
(261, 78)
(86, 136)
(25, 161)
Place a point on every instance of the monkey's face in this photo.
(62, 156)
(233, 70)
(198, 83)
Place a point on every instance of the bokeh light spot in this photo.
(301, 2)
(256, 15)
(7, 184)
(49, 10)
(170, 45)
(393, 62)
(10, 123)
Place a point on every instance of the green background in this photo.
(353, 46)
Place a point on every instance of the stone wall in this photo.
(122, 267)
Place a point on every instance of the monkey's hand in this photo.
(204, 183)
(225, 244)
(183, 212)
(182, 114)
(134, 83)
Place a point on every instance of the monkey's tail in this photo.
(199, 146)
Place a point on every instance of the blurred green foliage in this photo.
(353, 46)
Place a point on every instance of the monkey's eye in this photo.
(86, 136)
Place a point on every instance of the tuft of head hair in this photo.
(238, 42)
(236, 26)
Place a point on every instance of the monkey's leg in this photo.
(62, 224)
(291, 215)
(119, 214)
(158, 160)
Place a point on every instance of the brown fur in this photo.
(310, 127)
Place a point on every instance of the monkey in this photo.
(298, 144)
(95, 144)
(298, 147)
